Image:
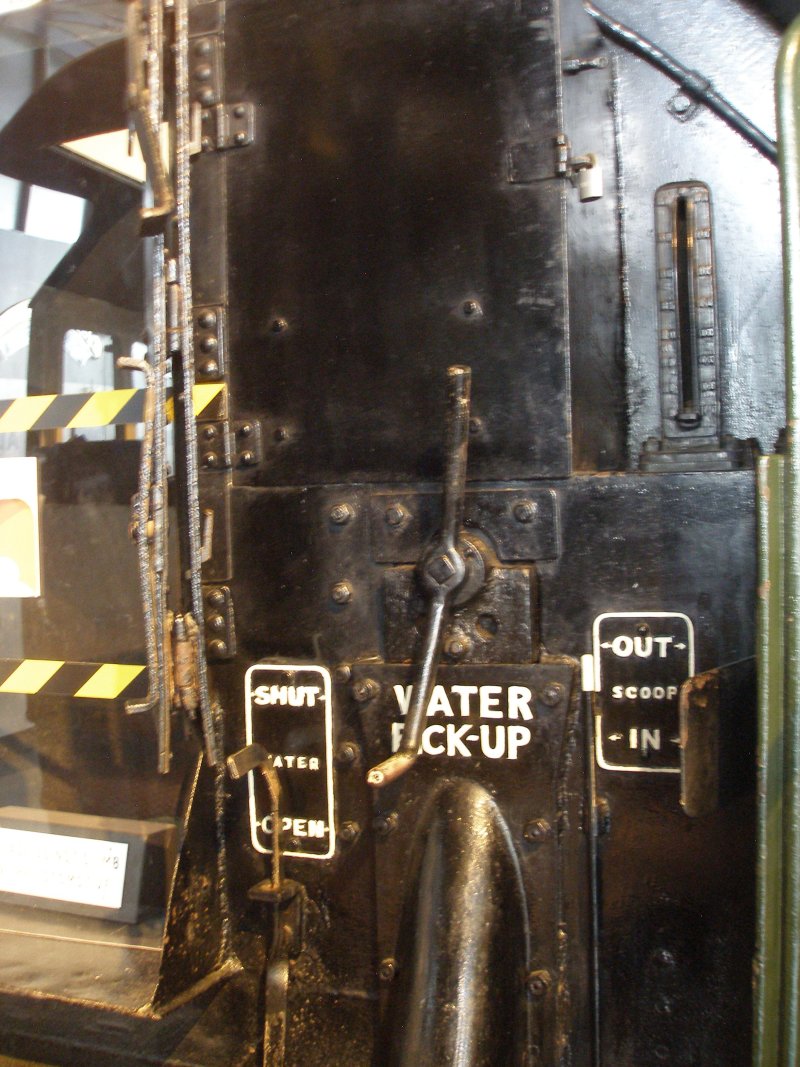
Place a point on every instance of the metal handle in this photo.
(442, 570)
(254, 757)
(145, 122)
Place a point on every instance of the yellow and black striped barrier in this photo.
(73, 411)
(56, 677)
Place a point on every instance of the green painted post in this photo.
(769, 892)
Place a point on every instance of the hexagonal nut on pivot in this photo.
(441, 569)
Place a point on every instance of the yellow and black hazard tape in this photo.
(73, 411)
(56, 677)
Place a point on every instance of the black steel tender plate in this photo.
(641, 660)
(288, 710)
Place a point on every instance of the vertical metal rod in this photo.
(594, 876)
(788, 98)
(440, 589)
(160, 356)
(185, 407)
(455, 452)
(150, 514)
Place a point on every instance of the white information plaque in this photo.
(81, 870)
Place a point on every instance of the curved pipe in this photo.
(692, 81)
(463, 949)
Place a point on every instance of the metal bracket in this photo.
(215, 446)
(523, 525)
(215, 124)
(528, 163)
(577, 64)
(209, 342)
(205, 71)
(584, 172)
(226, 126)
(247, 442)
(219, 625)
(717, 749)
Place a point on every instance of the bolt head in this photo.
(217, 648)
(680, 104)
(471, 308)
(395, 515)
(206, 97)
(203, 72)
(211, 459)
(247, 458)
(383, 825)
(278, 325)
(208, 320)
(343, 673)
(209, 344)
(240, 137)
(551, 694)
(245, 430)
(209, 367)
(524, 511)
(536, 831)
(347, 752)
(365, 689)
(216, 598)
(342, 593)
(217, 622)
(387, 969)
(280, 433)
(341, 514)
(348, 832)
(209, 432)
(456, 646)
(239, 111)
(538, 983)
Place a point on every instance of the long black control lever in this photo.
(443, 570)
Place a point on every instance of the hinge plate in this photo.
(226, 126)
